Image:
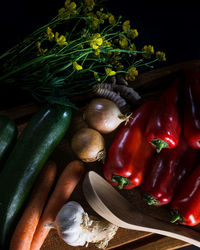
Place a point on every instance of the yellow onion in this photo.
(103, 115)
(89, 145)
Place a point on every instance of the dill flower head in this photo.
(77, 66)
(148, 51)
(161, 56)
(60, 40)
(96, 41)
(126, 25)
(132, 73)
(110, 72)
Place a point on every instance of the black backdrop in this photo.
(170, 28)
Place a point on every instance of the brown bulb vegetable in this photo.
(89, 145)
(103, 115)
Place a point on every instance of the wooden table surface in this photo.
(124, 239)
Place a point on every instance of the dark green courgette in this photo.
(42, 134)
(8, 134)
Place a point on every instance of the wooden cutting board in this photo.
(148, 84)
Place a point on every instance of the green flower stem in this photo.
(111, 27)
(24, 66)
(147, 63)
(123, 51)
(42, 58)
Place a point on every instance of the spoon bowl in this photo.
(106, 201)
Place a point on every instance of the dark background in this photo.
(172, 29)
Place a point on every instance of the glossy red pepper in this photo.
(164, 126)
(166, 173)
(186, 205)
(130, 154)
(192, 108)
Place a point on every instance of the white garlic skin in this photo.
(76, 228)
(69, 224)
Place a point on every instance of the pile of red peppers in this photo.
(158, 148)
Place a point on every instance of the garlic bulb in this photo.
(76, 228)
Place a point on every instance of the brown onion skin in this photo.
(103, 115)
(88, 145)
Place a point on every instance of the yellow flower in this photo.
(132, 47)
(95, 23)
(131, 74)
(107, 44)
(98, 13)
(77, 66)
(60, 40)
(96, 76)
(104, 16)
(67, 2)
(110, 72)
(70, 9)
(49, 34)
(97, 52)
(41, 51)
(126, 25)
(119, 66)
(70, 5)
(161, 56)
(101, 16)
(89, 5)
(96, 41)
(149, 51)
(62, 13)
(133, 33)
(123, 42)
(111, 19)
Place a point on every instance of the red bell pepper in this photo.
(186, 205)
(168, 170)
(130, 154)
(164, 126)
(192, 108)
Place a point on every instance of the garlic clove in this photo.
(76, 228)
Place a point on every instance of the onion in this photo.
(89, 145)
(103, 115)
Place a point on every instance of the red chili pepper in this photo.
(186, 205)
(192, 108)
(168, 170)
(130, 153)
(164, 126)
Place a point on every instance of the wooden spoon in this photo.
(108, 203)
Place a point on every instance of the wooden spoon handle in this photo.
(109, 204)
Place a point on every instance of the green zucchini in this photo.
(8, 134)
(37, 141)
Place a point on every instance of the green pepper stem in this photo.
(176, 217)
(120, 180)
(150, 200)
(159, 144)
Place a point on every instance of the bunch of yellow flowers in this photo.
(83, 45)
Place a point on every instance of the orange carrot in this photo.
(23, 234)
(64, 187)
